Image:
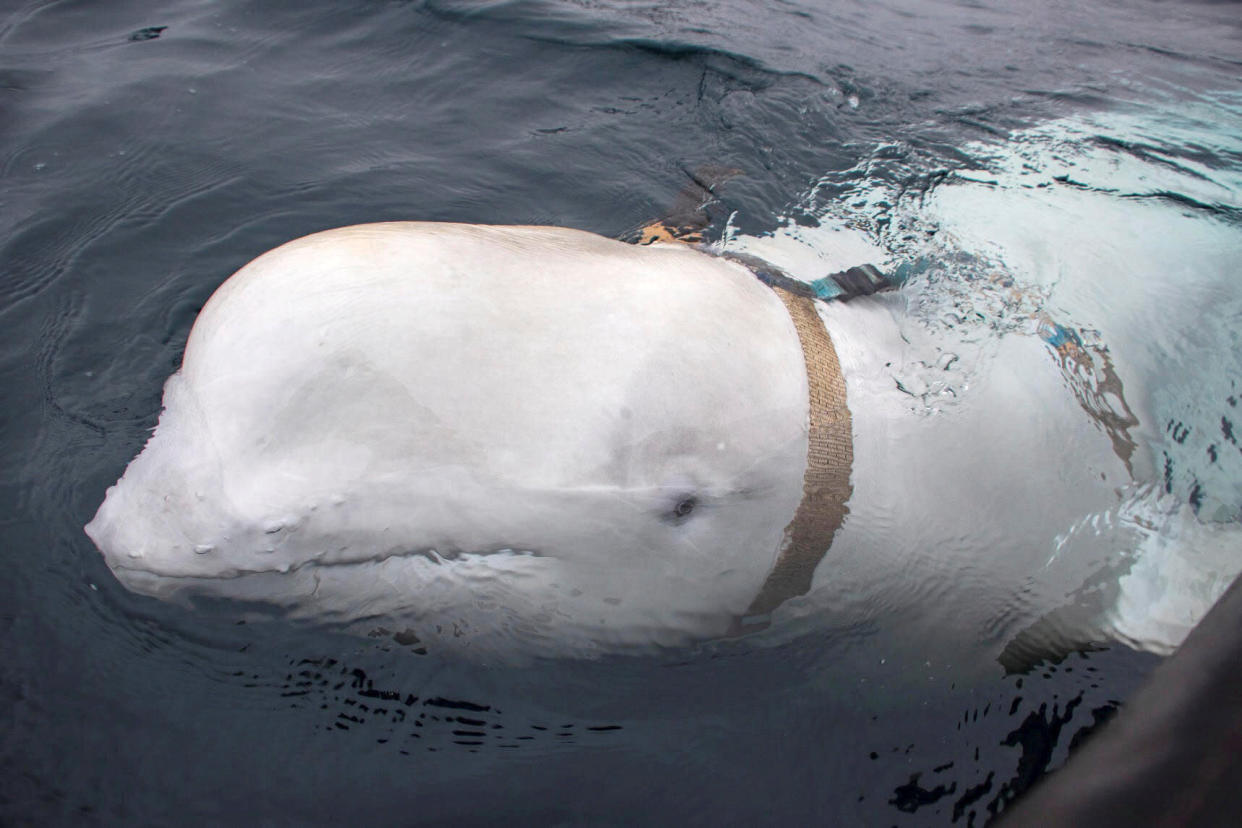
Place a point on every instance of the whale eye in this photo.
(682, 508)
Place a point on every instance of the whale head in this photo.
(532, 430)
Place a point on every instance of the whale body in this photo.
(535, 440)
(535, 429)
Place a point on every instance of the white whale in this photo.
(535, 428)
(539, 439)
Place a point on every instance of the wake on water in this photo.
(1116, 235)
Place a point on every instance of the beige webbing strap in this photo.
(830, 458)
(830, 441)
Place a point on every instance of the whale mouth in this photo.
(136, 576)
(340, 590)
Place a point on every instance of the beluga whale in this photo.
(538, 440)
(531, 432)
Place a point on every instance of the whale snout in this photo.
(154, 525)
(140, 541)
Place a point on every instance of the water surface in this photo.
(1090, 153)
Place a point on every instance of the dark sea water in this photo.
(148, 151)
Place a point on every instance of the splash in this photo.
(1112, 239)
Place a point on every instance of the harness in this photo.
(826, 485)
